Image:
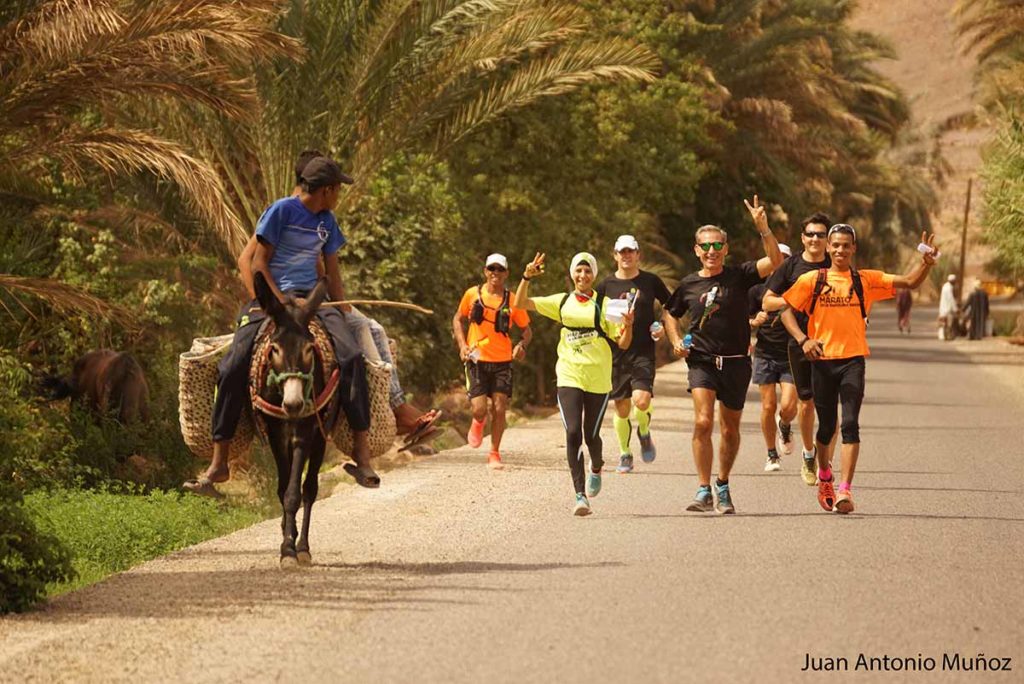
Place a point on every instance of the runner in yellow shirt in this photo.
(584, 367)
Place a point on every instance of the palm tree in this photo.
(391, 76)
(75, 73)
(994, 31)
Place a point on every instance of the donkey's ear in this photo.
(265, 296)
(315, 299)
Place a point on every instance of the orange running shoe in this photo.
(826, 495)
(844, 502)
(476, 434)
(494, 461)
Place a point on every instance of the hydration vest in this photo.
(598, 300)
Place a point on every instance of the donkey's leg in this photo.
(310, 488)
(293, 495)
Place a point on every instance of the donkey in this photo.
(105, 381)
(292, 401)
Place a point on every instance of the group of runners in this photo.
(606, 349)
(810, 311)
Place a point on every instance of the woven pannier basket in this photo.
(382, 418)
(197, 385)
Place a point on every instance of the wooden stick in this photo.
(380, 302)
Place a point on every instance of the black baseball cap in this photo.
(323, 171)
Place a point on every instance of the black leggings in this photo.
(582, 413)
(838, 381)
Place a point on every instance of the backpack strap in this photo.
(819, 285)
(598, 300)
(858, 289)
(565, 298)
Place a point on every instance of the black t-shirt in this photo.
(647, 288)
(786, 274)
(721, 328)
(772, 337)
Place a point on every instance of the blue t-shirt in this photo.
(299, 237)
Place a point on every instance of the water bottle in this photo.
(655, 328)
(688, 341)
(474, 354)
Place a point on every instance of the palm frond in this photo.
(63, 298)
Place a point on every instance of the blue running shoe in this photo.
(625, 464)
(702, 502)
(647, 450)
(594, 484)
(724, 500)
(582, 506)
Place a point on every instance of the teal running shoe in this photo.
(593, 484)
(724, 500)
(582, 506)
(702, 502)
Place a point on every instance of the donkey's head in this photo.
(292, 365)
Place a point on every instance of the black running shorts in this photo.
(631, 372)
(729, 383)
(485, 378)
(801, 369)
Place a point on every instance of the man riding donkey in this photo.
(292, 235)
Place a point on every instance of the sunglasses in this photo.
(496, 269)
(706, 246)
(815, 233)
(843, 228)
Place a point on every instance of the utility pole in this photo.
(963, 244)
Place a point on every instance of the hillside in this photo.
(939, 82)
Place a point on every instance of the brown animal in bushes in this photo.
(106, 382)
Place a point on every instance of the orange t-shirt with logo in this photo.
(836, 320)
(498, 347)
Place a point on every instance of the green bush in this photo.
(107, 532)
(29, 559)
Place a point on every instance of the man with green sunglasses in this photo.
(715, 297)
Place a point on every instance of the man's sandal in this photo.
(203, 486)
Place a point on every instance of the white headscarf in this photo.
(581, 257)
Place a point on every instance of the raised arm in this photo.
(521, 299)
(773, 255)
(913, 279)
(626, 331)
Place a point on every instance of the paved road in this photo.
(454, 573)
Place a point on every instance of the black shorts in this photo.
(800, 366)
(729, 383)
(485, 378)
(631, 372)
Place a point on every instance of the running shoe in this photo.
(476, 434)
(625, 464)
(594, 484)
(772, 464)
(647, 450)
(844, 502)
(826, 495)
(703, 501)
(494, 461)
(785, 438)
(724, 500)
(582, 506)
(807, 470)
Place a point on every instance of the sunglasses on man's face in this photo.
(706, 246)
(820, 234)
(496, 269)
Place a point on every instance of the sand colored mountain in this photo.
(939, 82)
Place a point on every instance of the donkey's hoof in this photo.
(304, 558)
(289, 562)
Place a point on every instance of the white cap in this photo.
(583, 256)
(498, 259)
(626, 242)
(785, 249)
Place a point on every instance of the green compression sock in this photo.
(623, 430)
(643, 419)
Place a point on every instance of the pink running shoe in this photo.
(476, 434)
